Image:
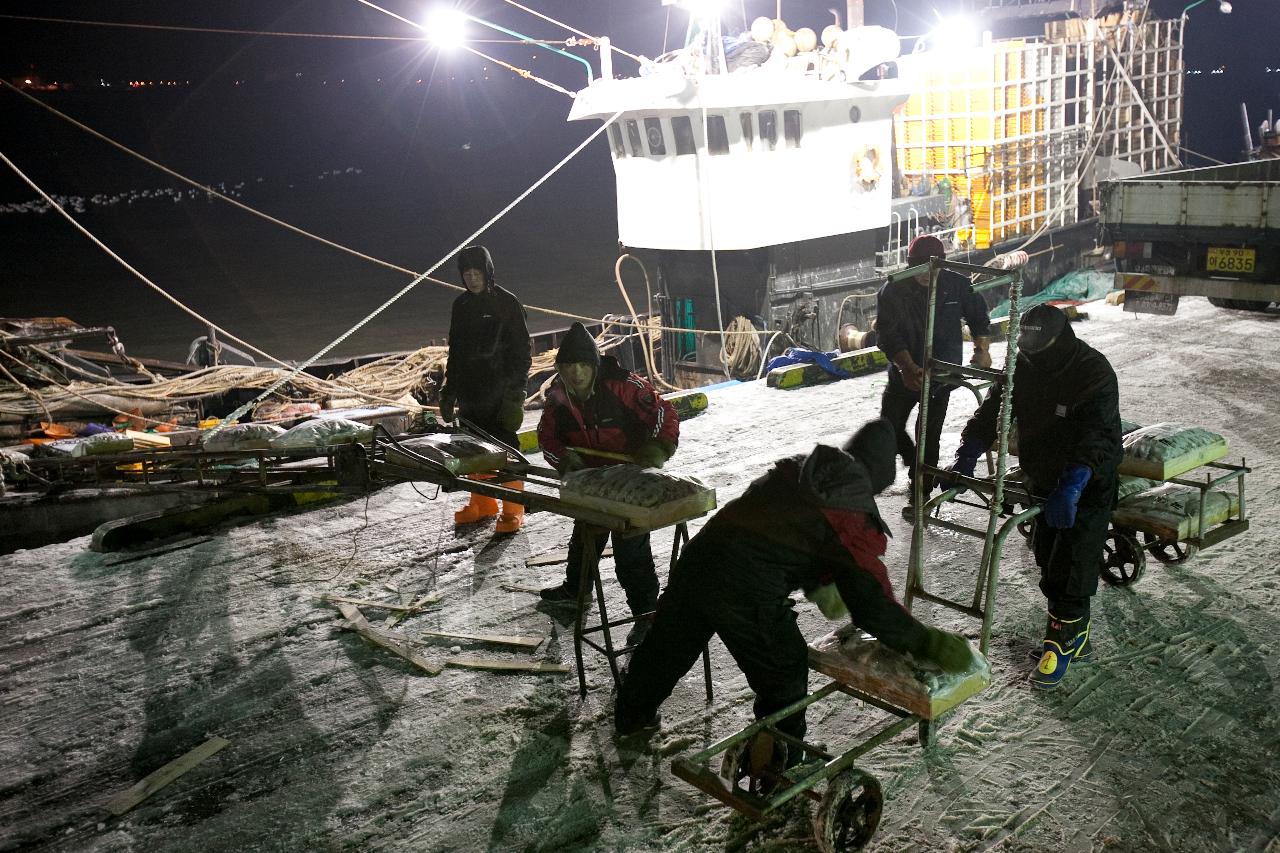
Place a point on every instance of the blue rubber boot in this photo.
(1064, 641)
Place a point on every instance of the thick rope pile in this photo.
(741, 347)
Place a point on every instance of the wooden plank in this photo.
(362, 627)
(122, 802)
(163, 549)
(497, 639)
(556, 557)
(499, 664)
(412, 607)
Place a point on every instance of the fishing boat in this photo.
(778, 175)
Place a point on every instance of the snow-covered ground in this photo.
(1170, 741)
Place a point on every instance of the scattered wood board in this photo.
(357, 622)
(556, 557)
(122, 802)
(163, 549)
(498, 639)
(500, 664)
(412, 607)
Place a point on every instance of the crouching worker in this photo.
(598, 414)
(810, 523)
(1067, 406)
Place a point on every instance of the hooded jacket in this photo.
(1066, 403)
(809, 521)
(488, 338)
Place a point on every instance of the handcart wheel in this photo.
(758, 760)
(1027, 528)
(1169, 553)
(849, 813)
(1123, 561)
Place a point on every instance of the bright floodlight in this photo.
(1224, 7)
(954, 32)
(446, 27)
(704, 8)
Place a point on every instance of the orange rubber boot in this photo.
(479, 507)
(512, 513)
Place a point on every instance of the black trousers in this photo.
(483, 413)
(632, 563)
(896, 406)
(754, 617)
(1069, 559)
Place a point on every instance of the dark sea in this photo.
(385, 173)
(376, 165)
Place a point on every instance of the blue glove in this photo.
(1060, 508)
(966, 461)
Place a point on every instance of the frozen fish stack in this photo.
(630, 484)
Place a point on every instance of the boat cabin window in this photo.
(769, 129)
(748, 128)
(717, 135)
(792, 128)
(633, 136)
(615, 136)
(682, 128)
(653, 133)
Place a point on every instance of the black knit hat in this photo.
(476, 258)
(1040, 327)
(875, 447)
(578, 346)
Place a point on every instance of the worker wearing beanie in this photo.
(901, 311)
(596, 412)
(487, 372)
(1066, 404)
(809, 523)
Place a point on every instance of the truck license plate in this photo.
(1221, 259)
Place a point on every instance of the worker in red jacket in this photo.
(595, 407)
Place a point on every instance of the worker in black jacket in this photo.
(809, 523)
(901, 311)
(1067, 407)
(487, 372)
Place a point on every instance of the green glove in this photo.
(651, 454)
(511, 412)
(571, 461)
(828, 599)
(951, 652)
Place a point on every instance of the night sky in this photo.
(387, 145)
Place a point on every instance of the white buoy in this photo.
(762, 30)
(830, 35)
(806, 39)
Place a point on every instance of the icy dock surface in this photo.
(1169, 741)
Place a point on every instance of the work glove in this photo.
(651, 454)
(446, 407)
(570, 462)
(966, 460)
(1060, 507)
(981, 358)
(828, 599)
(950, 652)
(511, 411)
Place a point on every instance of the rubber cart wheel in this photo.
(1027, 528)
(754, 763)
(1123, 561)
(1169, 553)
(849, 812)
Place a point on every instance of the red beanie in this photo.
(923, 248)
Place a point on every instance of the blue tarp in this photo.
(1082, 285)
(797, 355)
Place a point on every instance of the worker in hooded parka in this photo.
(1066, 404)
(599, 413)
(487, 372)
(809, 523)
